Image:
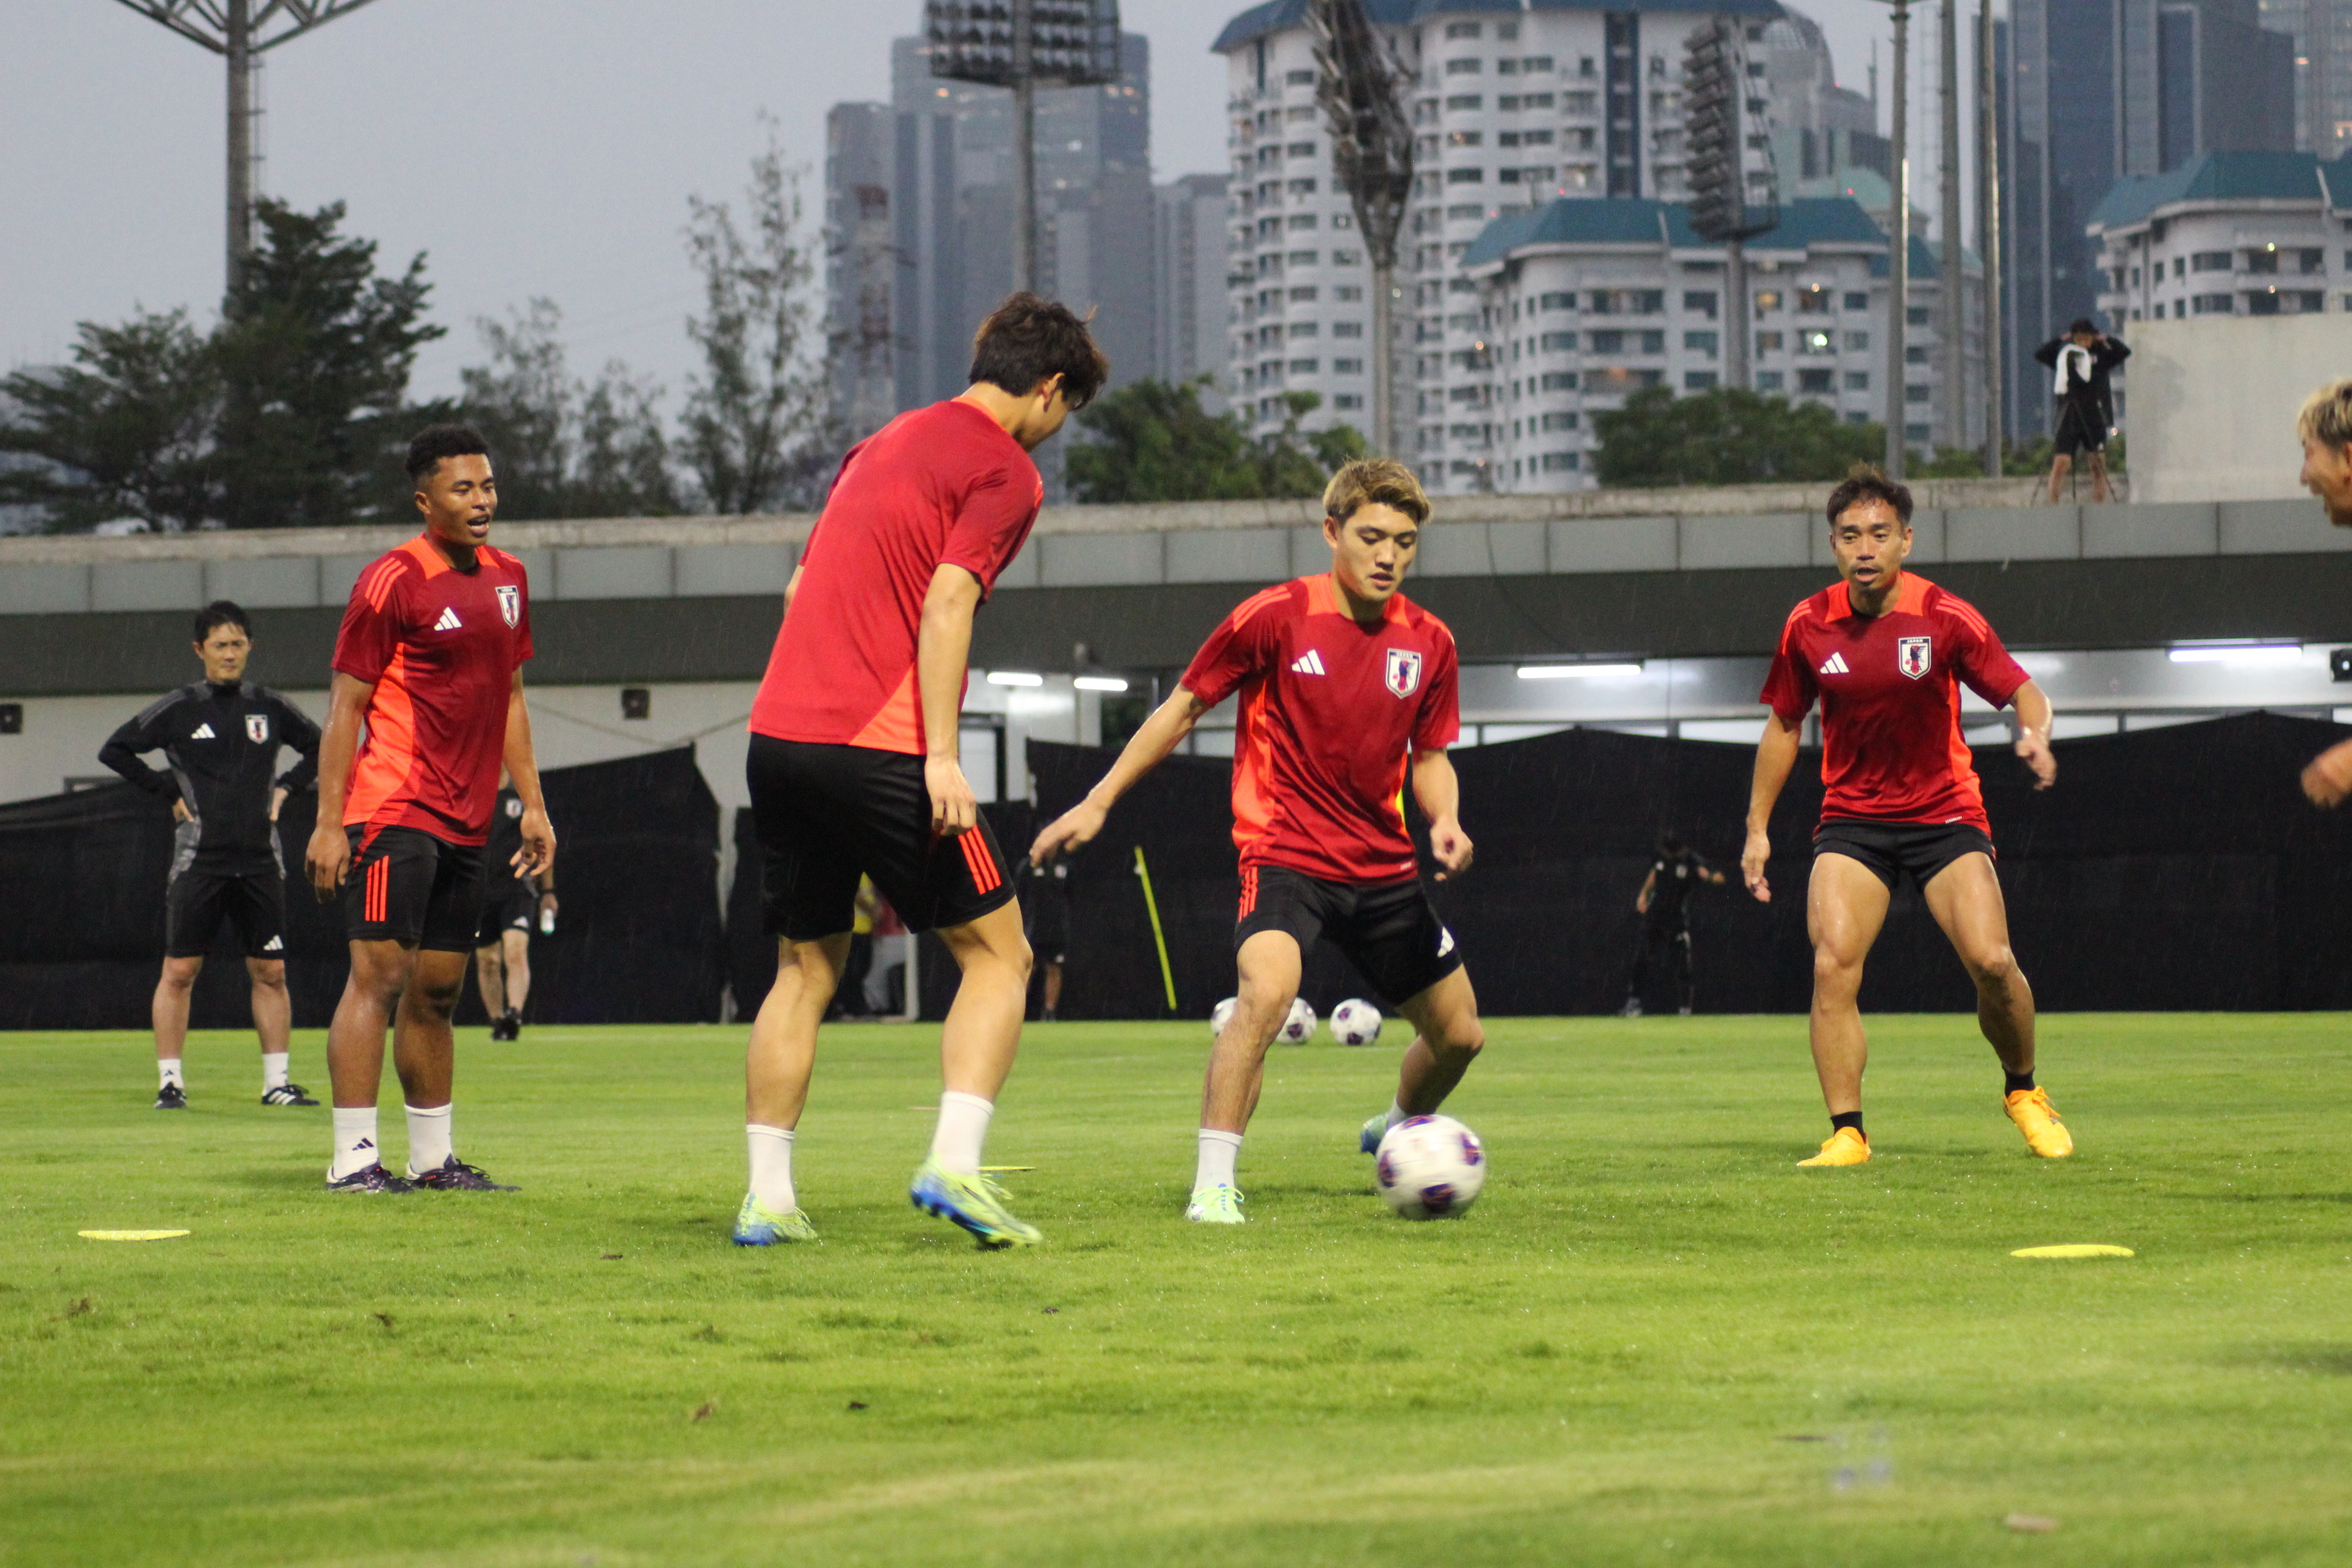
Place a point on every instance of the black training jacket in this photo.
(221, 743)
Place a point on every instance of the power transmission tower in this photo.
(1716, 112)
(1361, 85)
(1025, 44)
(240, 31)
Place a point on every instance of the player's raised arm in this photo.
(1145, 750)
(1437, 790)
(329, 858)
(2034, 721)
(1776, 754)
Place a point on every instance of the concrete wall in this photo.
(2210, 402)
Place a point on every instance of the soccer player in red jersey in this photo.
(429, 660)
(1347, 692)
(853, 764)
(1883, 651)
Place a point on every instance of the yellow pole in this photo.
(1159, 937)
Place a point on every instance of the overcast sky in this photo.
(528, 146)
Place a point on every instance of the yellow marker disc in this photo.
(2074, 1250)
(132, 1235)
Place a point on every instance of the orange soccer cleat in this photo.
(1846, 1146)
(2045, 1133)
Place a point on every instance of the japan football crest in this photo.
(1404, 670)
(510, 603)
(1914, 656)
(257, 727)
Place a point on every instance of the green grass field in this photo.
(1652, 1341)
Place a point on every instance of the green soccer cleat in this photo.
(1216, 1206)
(757, 1225)
(1376, 1127)
(975, 1203)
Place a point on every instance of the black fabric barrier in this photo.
(639, 938)
(2172, 869)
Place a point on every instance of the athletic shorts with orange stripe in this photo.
(410, 887)
(828, 814)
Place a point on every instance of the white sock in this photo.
(1220, 1152)
(771, 1166)
(963, 1126)
(355, 1147)
(428, 1138)
(167, 1072)
(1396, 1114)
(273, 1070)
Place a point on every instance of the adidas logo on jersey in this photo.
(1308, 663)
(201, 733)
(1835, 665)
(275, 945)
(448, 621)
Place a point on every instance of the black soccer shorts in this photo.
(510, 903)
(412, 887)
(827, 813)
(1896, 849)
(196, 902)
(2078, 431)
(1388, 930)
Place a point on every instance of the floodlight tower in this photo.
(1717, 111)
(1361, 84)
(1025, 44)
(238, 31)
(1898, 252)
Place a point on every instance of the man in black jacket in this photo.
(220, 736)
(2080, 362)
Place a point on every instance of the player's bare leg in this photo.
(1269, 964)
(2060, 467)
(1965, 899)
(1845, 907)
(777, 1067)
(1448, 1038)
(169, 1013)
(783, 1053)
(2098, 461)
(514, 959)
(379, 972)
(490, 978)
(977, 1045)
(423, 1046)
(273, 1010)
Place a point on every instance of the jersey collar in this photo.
(1324, 594)
(1910, 598)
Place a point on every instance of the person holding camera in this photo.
(2080, 363)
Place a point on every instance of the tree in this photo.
(126, 430)
(757, 431)
(1151, 441)
(314, 352)
(1726, 436)
(565, 448)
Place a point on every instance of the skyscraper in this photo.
(2322, 32)
(934, 166)
(1189, 257)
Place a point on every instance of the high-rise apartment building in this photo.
(1514, 107)
(2322, 32)
(1189, 297)
(934, 168)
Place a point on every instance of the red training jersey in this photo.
(441, 646)
(937, 486)
(1889, 690)
(1329, 709)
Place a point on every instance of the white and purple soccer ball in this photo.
(1355, 1022)
(1222, 1014)
(1430, 1167)
(1299, 1027)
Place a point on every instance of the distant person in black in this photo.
(1664, 905)
(1046, 902)
(512, 902)
(2079, 364)
(220, 736)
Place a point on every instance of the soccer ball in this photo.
(1355, 1022)
(1299, 1027)
(1430, 1167)
(1220, 1014)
